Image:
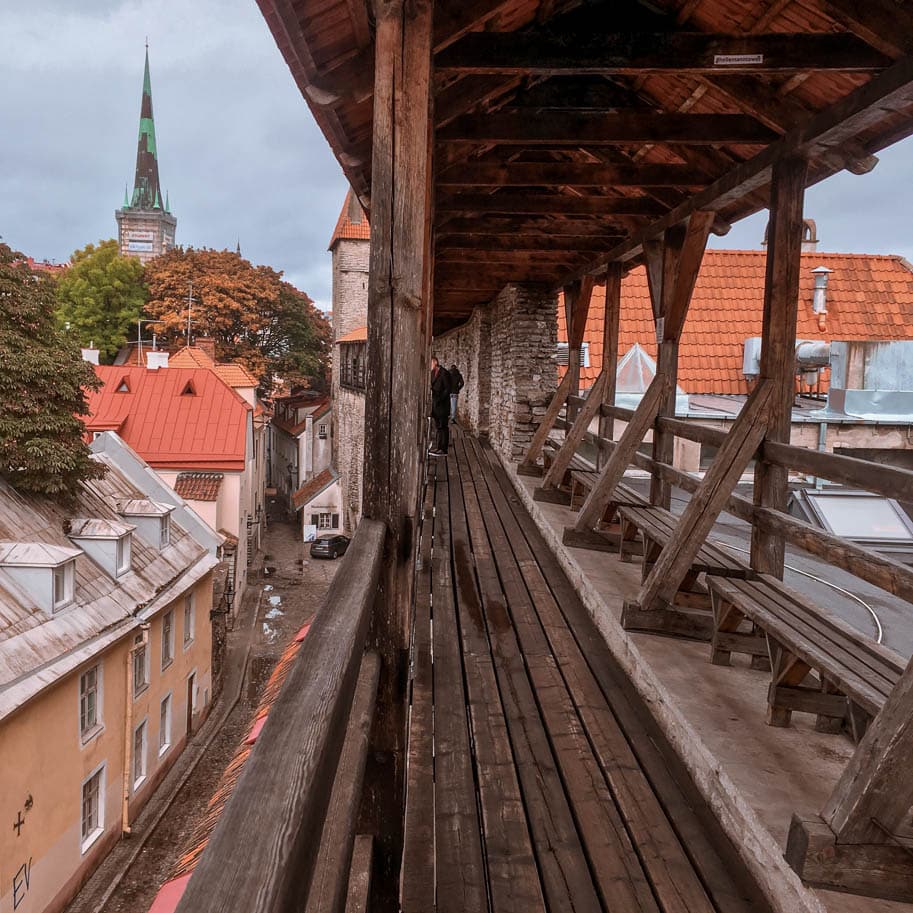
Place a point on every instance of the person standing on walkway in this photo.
(456, 384)
(440, 408)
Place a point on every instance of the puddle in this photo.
(271, 633)
(269, 571)
(275, 600)
(267, 588)
(274, 613)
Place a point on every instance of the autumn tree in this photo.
(101, 296)
(43, 379)
(254, 317)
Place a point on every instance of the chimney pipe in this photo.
(819, 296)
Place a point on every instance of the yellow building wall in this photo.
(44, 761)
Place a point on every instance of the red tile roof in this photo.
(311, 489)
(352, 224)
(199, 486)
(359, 334)
(868, 297)
(233, 373)
(167, 426)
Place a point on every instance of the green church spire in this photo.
(126, 198)
(146, 183)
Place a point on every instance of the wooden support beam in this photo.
(529, 465)
(778, 347)
(467, 93)
(562, 460)
(610, 326)
(706, 504)
(517, 128)
(631, 53)
(601, 493)
(582, 226)
(885, 25)
(454, 20)
(569, 174)
(844, 121)
(474, 256)
(874, 795)
(525, 243)
(399, 322)
(547, 204)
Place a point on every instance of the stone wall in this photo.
(349, 440)
(506, 353)
(350, 286)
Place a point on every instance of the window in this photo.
(322, 431)
(167, 639)
(325, 521)
(93, 808)
(63, 585)
(165, 725)
(139, 755)
(140, 667)
(89, 702)
(122, 555)
(165, 539)
(189, 619)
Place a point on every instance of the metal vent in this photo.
(564, 350)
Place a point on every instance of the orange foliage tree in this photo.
(255, 318)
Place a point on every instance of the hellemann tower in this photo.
(145, 225)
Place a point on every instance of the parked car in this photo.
(329, 546)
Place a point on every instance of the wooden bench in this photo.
(819, 664)
(608, 537)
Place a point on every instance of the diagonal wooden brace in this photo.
(601, 493)
(708, 501)
(548, 422)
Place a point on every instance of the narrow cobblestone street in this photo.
(284, 592)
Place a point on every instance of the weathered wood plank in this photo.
(568, 174)
(331, 874)
(360, 875)
(285, 788)
(557, 204)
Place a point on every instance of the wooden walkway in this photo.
(537, 780)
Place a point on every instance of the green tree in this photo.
(101, 296)
(269, 326)
(43, 380)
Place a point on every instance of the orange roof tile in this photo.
(359, 334)
(868, 297)
(352, 224)
(191, 357)
(199, 486)
(311, 489)
(174, 418)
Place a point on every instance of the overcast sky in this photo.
(238, 149)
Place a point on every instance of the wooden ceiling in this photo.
(568, 132)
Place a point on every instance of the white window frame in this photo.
(86, 734)
(144, 648)
(190, 619)
(165, 531)
(325, 521)
(122, 555)
(86, 840)
(139, 761)
(322, 431)
(166, 705)
(167, 641)
(66, 573)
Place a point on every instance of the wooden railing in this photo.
(289, 824)
(877, 478)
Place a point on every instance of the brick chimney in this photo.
(207, 344)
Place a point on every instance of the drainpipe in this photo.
(128, 729)
(822, 447)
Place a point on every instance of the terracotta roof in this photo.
(233, 373)
(170, 893)
(191, 357)
(44, 266)
(315, 406)
(360, 334)
(177, 418)
(311, 489)
(868, 297)
(352, 224)
(199, 486)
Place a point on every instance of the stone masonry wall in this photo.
(506, 352)
(349, 413)
(350, 286)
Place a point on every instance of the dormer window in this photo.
(64, 575)
(152, 520)
(107, 542)
(47, 573)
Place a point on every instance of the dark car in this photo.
(329, 546)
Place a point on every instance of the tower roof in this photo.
(352, 224)
(146, 186)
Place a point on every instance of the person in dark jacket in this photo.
(440, 408)
(456, 384)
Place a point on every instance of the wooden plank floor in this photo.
(537, 780)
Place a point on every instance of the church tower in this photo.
(145, 225)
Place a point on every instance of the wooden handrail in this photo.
(261, 856)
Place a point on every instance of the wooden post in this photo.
(613, 471)
(682, 252)
(778, 346)
(396, 390)
(610, 349)
(529, 466)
